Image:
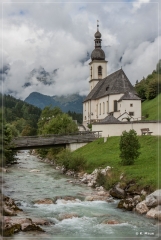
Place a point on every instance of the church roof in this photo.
(115, 83)
(109, 119)
(129, 96)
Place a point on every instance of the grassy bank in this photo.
(144, 171)
(151, 108)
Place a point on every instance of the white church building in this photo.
(111, 97)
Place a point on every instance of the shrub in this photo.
(129, 146)
(108, 181)
(66, 159)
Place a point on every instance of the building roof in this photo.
(129, 96)
(115, 83)
(110, 119)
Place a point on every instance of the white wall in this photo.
(75, 146)
(136, 108)
(95, 64)
(111, 100)
(117, 129)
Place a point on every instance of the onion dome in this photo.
(97, 34)
(98, 54)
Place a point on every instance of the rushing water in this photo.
(26, 187)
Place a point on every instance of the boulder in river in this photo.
(14, 225)
(10, 228)
(40, 221)
(111, 222)
(34, 170)
(63, 216)
(9, 207)
(141, 207)
(151, 201)
(44, 201)
(117, 192)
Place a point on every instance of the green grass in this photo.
(151, 107)
(145, 169)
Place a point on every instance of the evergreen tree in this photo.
(129, 147)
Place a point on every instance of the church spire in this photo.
(97, 37)
(98, 53)
(97, 25)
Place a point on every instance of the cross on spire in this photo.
(97, 25)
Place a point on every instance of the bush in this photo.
(129, 146)
(108, 181)
(66, 159)
(42, 152)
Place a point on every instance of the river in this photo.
(25, 187)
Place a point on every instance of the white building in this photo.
(108, 95)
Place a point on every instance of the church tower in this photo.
(98, 65)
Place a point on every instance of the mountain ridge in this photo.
(66, 103)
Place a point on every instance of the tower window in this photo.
(131, 105)
(99, 72)
(131, 113)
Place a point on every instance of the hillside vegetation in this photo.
(145, 169)
(151, 108)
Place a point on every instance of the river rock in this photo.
(9, 207)
(158, 216)
(89, 198)
(39, 221)
(3, 170)
(34, 170)
(110, 222)
(97, 198)
(44, 201)
(100, 188)
(127, 204)
(141, 207)
(143, 192)
(103, 193)
(84, 180)
(13, 225)
(8, 212)
(152, 212)
(151, 201)
(63, 216)
(117, 192)
(29, 226)
(9, 229)
(157, 196)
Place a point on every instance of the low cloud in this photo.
(60, 36)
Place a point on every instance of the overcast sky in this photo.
(59, 36)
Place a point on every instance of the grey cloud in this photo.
(59, 35)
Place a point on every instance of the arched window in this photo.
(99, 72)
(91, 72)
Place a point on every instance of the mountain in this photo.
(66, 103)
